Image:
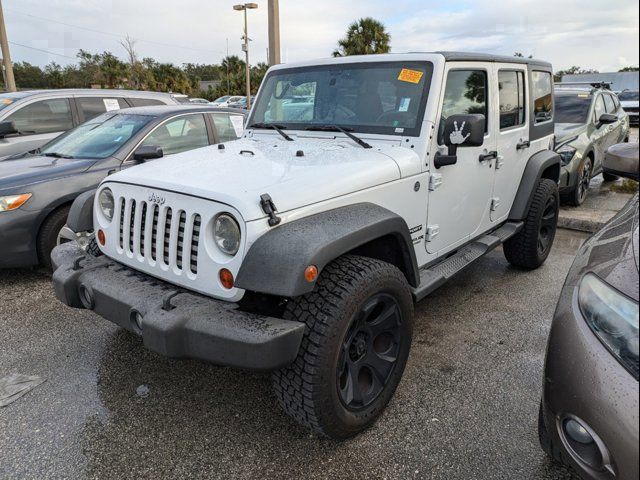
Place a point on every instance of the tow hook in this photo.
(270, 209)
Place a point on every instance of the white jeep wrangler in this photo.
(361, 185)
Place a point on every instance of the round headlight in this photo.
(226, 232)
(106, 203)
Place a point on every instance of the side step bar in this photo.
(434, 276)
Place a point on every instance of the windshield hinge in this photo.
(270, 209)
(432, 232)
(435, 180)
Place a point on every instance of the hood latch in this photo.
(270, 209)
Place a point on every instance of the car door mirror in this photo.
(460, 131)
(7, 128)
(607, 119)
(147, 152)
(622, 160)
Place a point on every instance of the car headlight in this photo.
(226, 233)
(566, 152)
(13, 202)
(106, 203)
(613, 317)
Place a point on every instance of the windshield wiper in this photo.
(56, 155)
(338, 128)
(272, 126)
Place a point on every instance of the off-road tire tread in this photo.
(296, 386)
(521, 250)
(93, 249)
(50, 228)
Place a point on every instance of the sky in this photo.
(587, 33)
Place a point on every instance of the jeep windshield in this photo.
(380, 97)
(572, 107)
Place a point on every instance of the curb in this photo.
(589, 221)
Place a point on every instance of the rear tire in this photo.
(359, 322)
(48, 235)
(578, 195)
(530, 247)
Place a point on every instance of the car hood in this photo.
(566, 131)
(294, 174)
(629, 103)
(612, 253)
(23, 171)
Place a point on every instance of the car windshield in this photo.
(98, 138)
(572, 107)
(221, 99)
(628, 96)
(380, 97)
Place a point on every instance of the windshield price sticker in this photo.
(410, 76)
(111, 104)
(238, 124)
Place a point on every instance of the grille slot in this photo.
(195, 241)
(181, 231)
(132, 218)
(167, 235)
(122, 211)
(154, 231)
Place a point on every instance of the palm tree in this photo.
(364, 37)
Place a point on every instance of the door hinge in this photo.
(495, 203)
(499, 162)
(432, 232)
(435, 180)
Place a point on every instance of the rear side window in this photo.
(180, 134)
(609, 103)
(511, 93)
(91, 107)
(44, 116)
(465, 93)
(145, 102)
(542, 96)
(228, 127)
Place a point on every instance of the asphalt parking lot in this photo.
(466, 407)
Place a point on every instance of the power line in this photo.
(42, 50)
(111, 34)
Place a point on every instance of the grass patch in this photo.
(627, 186)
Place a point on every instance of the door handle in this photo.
(523, 144)
(484, 157)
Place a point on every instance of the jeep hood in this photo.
(565, 131)
(295, 174)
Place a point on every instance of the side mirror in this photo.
(606, 119)
(147, 152)
(461, 131)
(7, 128)
(622, 160)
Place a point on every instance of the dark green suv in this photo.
(589, 119)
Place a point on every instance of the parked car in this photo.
(301, 247)
(226, 100)
(242, 104)
(589, 410)
(202, 101)
(629, 101)
(37, 188)
(31, 118)
(589, 120)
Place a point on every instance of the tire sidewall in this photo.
(577, 201)
(554, 193)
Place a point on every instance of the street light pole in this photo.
(245, 46)
(274, 32)
(10, 83)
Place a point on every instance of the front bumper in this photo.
(584, 381)
(18, 231)
(171, 321)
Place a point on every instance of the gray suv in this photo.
(30, 119)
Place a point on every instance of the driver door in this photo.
(460, 194)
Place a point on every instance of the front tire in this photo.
(48, 236)
(579, 193)
(530, 247)
(359, 322)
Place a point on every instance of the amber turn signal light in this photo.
(311, 273)
(102, 239)
(226, 278)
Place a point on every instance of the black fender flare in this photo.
(544, 164)
(81, 214)
(276, 262)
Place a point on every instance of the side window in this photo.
(91, 107)
(616, 101)
(145, 102)
(599, 109)
(466, 92)
(44, 116)
(228, 127)
(179, 134)
(542, 96)
(511, 93)
(609, 103)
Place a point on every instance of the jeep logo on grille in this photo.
(153, 198)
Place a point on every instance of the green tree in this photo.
(575, 70)
(113, 70)
(365, 36)
(628, 69)
(29, 76)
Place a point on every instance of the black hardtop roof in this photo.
(488, 57)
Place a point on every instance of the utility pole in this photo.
(245, 46)
(274, 32)
(10, 83)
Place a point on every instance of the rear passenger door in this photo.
(511, 116)
(227, 127)
(615, 129)
(600, 133)
(91, 107)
